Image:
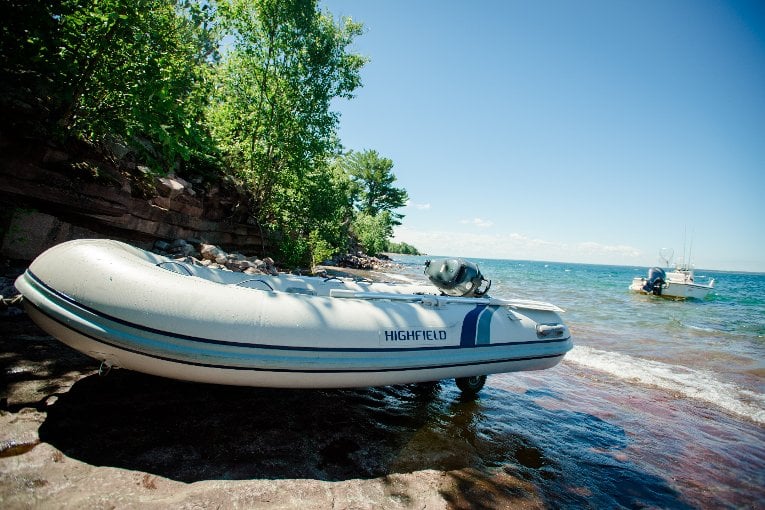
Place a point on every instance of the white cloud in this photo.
(478, 222)
(595, 248)
(421, 207)
(516, 246)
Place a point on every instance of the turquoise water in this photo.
(659, 405)
(682, 383)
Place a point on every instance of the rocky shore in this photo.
(194, 251)
(70, 438)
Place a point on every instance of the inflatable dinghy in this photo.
(130, 308)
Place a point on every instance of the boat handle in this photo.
(255, 280)
(181, 264)
(544, 330)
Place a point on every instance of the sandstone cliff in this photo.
(50, 194)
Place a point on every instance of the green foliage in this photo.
(317, 218)
(375, 198)
(320, 249)
(271, 114)
(403, 248)
(115, 69)
(373, 192)
(372, 232)
(236, 87)
(138, 70)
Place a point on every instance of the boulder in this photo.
(211, 252)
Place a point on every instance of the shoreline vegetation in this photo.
(234, 91)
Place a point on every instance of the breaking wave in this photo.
(697, 384)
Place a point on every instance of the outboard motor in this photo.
(456, 277)
(655, 281)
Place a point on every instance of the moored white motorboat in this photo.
(130, 308)
(678, 284)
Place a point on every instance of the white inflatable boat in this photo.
(130, 308)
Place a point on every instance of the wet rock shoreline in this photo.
(72, 438)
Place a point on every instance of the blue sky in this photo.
(577, 131)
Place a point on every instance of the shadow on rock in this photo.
(189, 432)
(33, 365)
(501, 445)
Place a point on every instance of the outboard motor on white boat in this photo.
(456, 277)
(655, 281)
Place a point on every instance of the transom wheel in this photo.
(470, 385)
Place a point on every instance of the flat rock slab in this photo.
(70, 438)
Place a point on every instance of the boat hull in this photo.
(296, 375)
(119, 306)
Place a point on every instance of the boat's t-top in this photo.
(456, 277)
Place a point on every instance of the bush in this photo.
(372, 232)
(403, 248)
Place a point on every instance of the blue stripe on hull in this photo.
(469, 326)
(483, 337)
(476, 326)
(465, 363)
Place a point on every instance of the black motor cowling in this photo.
(456, 277)
(655, 281)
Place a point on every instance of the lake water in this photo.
(660, 403)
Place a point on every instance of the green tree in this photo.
(28, 67)
(375, 198)
(373, 180)
(140, 71)
(271, 112)
(152, 74)
(134, 70)
(317, 223)
(402, 247)
(372, 232)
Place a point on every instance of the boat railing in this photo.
(433, 300)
